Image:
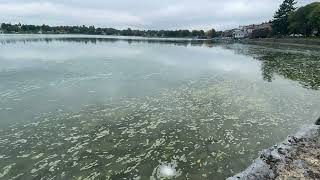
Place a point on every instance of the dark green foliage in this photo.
(9, 28)
(305, 20)
(211, 33)
(280, 22)
(30, 29)
(197, 33)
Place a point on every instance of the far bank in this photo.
(299, 42)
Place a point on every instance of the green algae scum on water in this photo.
(74, 107)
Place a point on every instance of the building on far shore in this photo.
(228, 33)
(239, 34)
(1, 32)
(248, 31)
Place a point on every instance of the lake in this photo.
(99, 107)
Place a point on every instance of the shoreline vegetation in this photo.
(8, 28)
(289, 26)
(288, 22)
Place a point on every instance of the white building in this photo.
(1, 32)
(239, 34)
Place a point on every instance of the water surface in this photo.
(75, 107)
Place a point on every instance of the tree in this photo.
(305, 20)
(197, 33)
(201, 33)
(314, 18)
(280, 22)
(45, 28)
(18, 28)
(91, 30)
(184, 33)
(211, 33)
(127, 32)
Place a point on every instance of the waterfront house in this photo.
(239, 34)
(1, 32)
(256, 27)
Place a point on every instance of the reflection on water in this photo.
(301, 65)
(99, 39)
(147, 110)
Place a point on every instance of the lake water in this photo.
(75, 107)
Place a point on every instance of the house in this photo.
(251, 28)
(248, 31)
(1, 32)
(265, 26)
(239, 34)
(243, 31)
(228, 33)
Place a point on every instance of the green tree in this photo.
(280, 22)
(91, 30)
(305, 20)
(211, 33)
(314, 18)
(197, 33)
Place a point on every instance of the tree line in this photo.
(92, 30)
(290, 20)
(287, 20)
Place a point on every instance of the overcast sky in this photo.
(141, 14)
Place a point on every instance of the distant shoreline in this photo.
(294, 42)
(103, 36)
